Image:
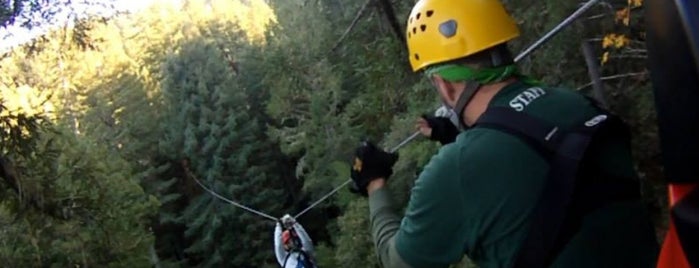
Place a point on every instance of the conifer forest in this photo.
(109, 121)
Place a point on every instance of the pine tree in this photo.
(211, 126)
(71, 203)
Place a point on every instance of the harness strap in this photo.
(536, 133)
(307, 260)
(561, 206)
(464, 99)
(304, 258)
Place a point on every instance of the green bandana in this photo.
(457, 73)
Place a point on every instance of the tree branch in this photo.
(593, 71)
(642, 57)
(354, 22)
(598, 16)
(612, 77)
(392, 20)
(8, 173)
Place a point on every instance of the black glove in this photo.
(370, 163)
(443, 130)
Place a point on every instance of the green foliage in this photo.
(211, 125)
(356, 246)
(18, 131)
(77, 205)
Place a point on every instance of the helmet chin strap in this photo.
(497, 58)
(464, 99)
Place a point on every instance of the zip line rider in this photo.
(292, 245)
(534, 176)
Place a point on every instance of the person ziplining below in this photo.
(292, 245)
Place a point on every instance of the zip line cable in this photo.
(393, 150)
(410, 138)
(556, 29)
(323, 198)
(260, 213)
(326, 196)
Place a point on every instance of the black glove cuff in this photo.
(443, 130)
(358, 189)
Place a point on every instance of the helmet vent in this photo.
(417, 57)
(414, 30)
(448, 28)
(423, 27)
(429, 13)
(418, 16)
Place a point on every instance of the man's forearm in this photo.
(385, 224)
(278, 247)
(306, 241)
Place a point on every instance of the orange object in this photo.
(672, 255)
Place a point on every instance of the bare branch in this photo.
(636, 50)
(632, 56)
(612, 77)
(10, 176)
(598, 16)
(593, 71)
(387, 8)
(354, 22)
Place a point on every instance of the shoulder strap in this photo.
(307, 261)
(303, 258)
(564, 150)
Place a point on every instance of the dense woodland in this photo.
(106, 123)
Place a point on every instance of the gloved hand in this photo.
(438, 128)
(370, 163)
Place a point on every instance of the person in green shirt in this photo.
(478, 195)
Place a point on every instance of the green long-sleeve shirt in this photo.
(476, 196)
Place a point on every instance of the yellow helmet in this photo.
(444, 30)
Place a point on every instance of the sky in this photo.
(14, 34)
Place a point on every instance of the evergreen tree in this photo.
(69, 202)
(211, 125)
